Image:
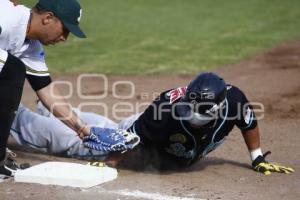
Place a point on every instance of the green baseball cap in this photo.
(68, 11)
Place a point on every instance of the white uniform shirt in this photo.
(13, 27)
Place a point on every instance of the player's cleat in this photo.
(5, 173)
(10, 161)
(9, 166)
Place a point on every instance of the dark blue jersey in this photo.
(161, 128)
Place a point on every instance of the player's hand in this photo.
(110, 140)
(261, 165)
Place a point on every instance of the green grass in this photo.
(173, 36)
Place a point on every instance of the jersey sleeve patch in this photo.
(177, 94)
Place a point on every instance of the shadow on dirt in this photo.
(154, 163)
(145, 161)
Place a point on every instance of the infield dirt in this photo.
(272, 78)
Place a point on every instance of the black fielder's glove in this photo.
(261, 165)
(110, 140)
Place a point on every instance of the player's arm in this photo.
(259, 163)
(97, 138)
(56, 103)
(250, 131)
(252, 139)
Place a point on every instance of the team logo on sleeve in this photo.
(177, 94)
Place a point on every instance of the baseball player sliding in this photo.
(181, 126)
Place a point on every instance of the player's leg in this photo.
(127, 122)
(12, 77)
(42, 110)
(50, 135)
(41, 133)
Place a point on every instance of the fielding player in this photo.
(22, 33)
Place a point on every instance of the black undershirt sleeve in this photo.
(38, 82)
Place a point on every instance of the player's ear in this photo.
(47, 17)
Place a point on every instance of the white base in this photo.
(66, 174)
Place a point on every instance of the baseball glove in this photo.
(110, 140)
(261, 165)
